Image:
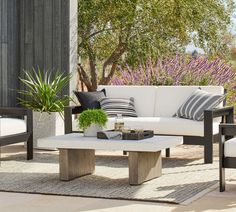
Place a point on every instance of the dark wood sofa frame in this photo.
(227, 131)
(227, 114)
(19, 137)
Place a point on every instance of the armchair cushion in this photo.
(230, 148)
(10, 126)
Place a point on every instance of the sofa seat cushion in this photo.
(10, 126)
(147, 123)
(166, 125)
(230, 148)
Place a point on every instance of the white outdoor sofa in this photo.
(156, 106)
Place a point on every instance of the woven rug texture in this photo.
(183, 180)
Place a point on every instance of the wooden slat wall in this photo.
(9, 51)
(33, 34)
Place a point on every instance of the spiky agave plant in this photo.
(42, 91)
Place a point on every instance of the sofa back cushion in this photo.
(170, 98)
(144, 97)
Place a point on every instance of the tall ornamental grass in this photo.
(181, 70)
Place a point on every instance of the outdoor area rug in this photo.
(182, 182)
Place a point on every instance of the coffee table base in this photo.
(143, 166)
(76, 163)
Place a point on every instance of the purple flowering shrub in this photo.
(181, 70)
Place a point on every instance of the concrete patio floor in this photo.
(213, 201)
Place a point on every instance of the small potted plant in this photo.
(92, 121)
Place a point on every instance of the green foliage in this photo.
(131, 31)
(43, 91)
(94, 116)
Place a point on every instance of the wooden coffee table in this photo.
(77, 154)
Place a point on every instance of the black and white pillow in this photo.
(114, 106)
(194, 106)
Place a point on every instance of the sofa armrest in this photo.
(227, 111)
(68, 112)
(227, 114)
(15, 111)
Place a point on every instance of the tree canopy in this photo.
(130, 31)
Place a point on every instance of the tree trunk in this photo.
(112, 60)
(91, 82)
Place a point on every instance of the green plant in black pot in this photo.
(92, 121)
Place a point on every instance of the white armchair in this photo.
(13, 130)
(227, 152)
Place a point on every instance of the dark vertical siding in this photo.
(33, 33)
(1, 32)
(9, 51)
(13, 50)
(38, 33)
(4, 51)
(57, 34)
(48, 35)
(65, 36)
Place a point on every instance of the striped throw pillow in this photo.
(197, 103)
(114, 106)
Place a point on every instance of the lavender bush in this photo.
(181, 70)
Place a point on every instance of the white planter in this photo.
(46, 125)
(92, 130)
